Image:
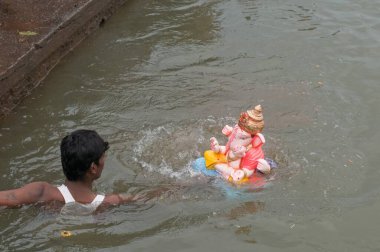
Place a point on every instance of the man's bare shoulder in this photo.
(52, 192)
(43, 191)
(31, 193)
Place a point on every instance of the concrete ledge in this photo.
(24, 73)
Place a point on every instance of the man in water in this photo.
(83, 153)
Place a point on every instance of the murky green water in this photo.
(162, 77)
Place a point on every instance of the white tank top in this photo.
(76, 208)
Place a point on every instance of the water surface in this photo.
(160, 78)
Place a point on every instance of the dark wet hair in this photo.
(78, 150)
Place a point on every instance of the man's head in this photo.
(80, 150)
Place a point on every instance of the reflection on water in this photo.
(160, 78)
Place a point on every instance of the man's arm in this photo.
(28, 194)
(118, 199)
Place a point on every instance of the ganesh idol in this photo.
(243, 155)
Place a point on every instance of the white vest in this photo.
(76, 208)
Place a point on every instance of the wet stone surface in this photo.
(24, 22)
(35, 35)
